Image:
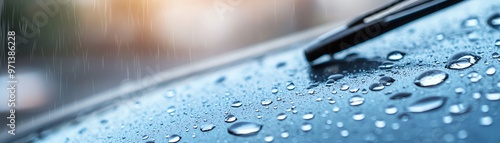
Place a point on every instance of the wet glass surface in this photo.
(280, 98)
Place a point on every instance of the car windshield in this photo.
(72, 50)
(432, 80)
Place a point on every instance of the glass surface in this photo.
(71, 50)
(433, 80)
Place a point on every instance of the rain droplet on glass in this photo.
(244, 129)
(494, 21)
(380, 124)
(427, 104)
(230, 118)
(207, 127)
(491, 70)
(308, 116)
(400, 95)
(486, 121)
(395, 56)
(266, 102)
(459, 108)
(493, 96)
(281, 116)
(431, 78)
(306, 127)
(358, 116)
(269, 138)
(391, 109)
(174, 138)
(236, 104)
(462, 60)
(356, 100)
(470, 22)
(290, 85)
(376, 87)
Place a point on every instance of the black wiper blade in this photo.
(359, 30)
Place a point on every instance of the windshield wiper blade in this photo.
(362, 29)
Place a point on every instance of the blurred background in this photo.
(68, 50)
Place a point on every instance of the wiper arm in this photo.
(362, 29)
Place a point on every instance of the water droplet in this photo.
(230, 118)
(447, 119)
(329, 122)
(494, 21)
(244, 129)
(439, 37)
(174, 138)
(485, 108)
(459, 90)
(340, 124)
(344, 133)
(329, 82)
(395, 56)
(486, 121)
(290, 85)
(386, 65)
(335, 76)
(170, 93)
(491, 70)
(280, 64)
(391, 109)
(336, 109)
(104, 121)
(495, 55)
(364, 91)
(308, 116)
(236, 104)
(331, 100)
(387, 81)
(145, 137)
(354, 90)
(344, 87)
(459, 108)
(356, 100)
(400, 95)
(269, 139)
(376, 87)
(473, 36)
(207, 127)
(380, 124)
(266, 102)
(171, 109)
(306, 127)
(471, 22)
(285, 135)
(404, 117)
(430, 78)
(319, 99)
(281, 116)
(462, 60)
(310, 92)
(358, 116)
(497, 42)
(427, 104)
(476, 95)
(274, 90)
(395, 126)
(493, 96)
(462, 134)
(474, 76)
